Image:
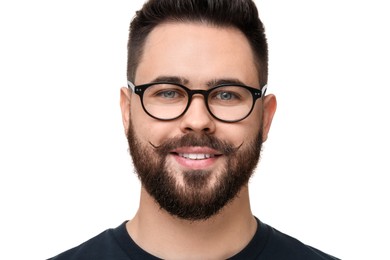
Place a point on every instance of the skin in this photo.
(198, 53)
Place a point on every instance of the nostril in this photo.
(205, 130)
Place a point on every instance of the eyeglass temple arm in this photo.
(263, 90)
(131, 85)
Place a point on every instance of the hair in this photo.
(240, 14)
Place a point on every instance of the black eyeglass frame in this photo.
(140, 89)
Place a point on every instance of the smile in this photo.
(196, 156)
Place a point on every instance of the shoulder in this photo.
(102, 246)
(282, 246)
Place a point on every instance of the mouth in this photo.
(196, 157)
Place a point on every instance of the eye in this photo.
(224, 95)
(229, 96)
(168, 94)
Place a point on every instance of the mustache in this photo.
(195, 140)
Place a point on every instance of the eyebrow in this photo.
(210, 84)
(215, 82)
(172, 79)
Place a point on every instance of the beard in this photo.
(199, 194)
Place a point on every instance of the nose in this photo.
(197, 118)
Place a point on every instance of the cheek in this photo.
(244, 134)
(148, 129)
(139, 119)
(158, 132)
(255, 119)
(243, 131)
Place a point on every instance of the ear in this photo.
(269, 108)
(125, 98)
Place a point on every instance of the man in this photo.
(195, 114)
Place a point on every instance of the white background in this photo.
(65, 173)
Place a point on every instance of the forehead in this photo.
(197, 51)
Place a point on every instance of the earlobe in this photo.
(269, 108)
(125, 96)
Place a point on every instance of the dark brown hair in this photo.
(240, 14)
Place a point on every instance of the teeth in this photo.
(196, 156)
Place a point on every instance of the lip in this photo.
(196, 158)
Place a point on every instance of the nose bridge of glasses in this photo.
(197, 92)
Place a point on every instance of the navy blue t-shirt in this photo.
(267, 243)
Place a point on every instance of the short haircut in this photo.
(240, 14)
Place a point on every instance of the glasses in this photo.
(225, 102)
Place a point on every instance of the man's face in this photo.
(194, 165)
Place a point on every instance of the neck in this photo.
(169, 237)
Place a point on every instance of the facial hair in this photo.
(195, 199)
